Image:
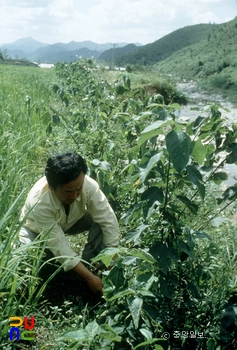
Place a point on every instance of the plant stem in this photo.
(206, 221)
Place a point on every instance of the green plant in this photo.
(158, 182)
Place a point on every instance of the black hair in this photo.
(63, 168)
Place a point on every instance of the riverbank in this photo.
(201, 100)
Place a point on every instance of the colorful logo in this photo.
(15, 332)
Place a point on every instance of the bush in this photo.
(221, 81)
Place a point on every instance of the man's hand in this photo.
(93, 282)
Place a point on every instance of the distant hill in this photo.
(22, 46)
(108, 55)
(31, 49)
(74, 45)
(161, 49)
(55, 53)
(214, 57)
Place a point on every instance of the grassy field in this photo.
(109, 118)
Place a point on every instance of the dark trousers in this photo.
(93, 247)
(94, 243)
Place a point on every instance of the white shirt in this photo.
(46, 214)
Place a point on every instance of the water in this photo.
(200, 99)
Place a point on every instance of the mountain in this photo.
(25, 45)
(163, 48)
(44, 54)
(212, 59)
(108, 55)
(74, 45)
(36, 51)
(55, 53)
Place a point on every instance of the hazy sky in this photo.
(101, 21)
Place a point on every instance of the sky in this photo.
(106, 21)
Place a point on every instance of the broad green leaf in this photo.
(103, 165)
(133, 212)
(82, 125)
(155, 105)
(147, 279)
(148, 342)
(194, 174)
(55, 87)
(110, 145)
(135, 234)
(116, 277)
(129, 260)
(49, 129)
(179, 146)
(199, 234)
(92, 329)
(152, 130)
(184, 247)
(196, 179)
(146, 333)
(163, 262)
(172, 253)
(164, 255)
(143, 172)
(166, 289)
(201, 189)
(230, 193)
(190, 241)
(122, 294)
(109, 333)
(162, 113)
(153, 194)
(55, 119)
(135, 307)
(232, 157)
(146, 293)
(175, 106)
(189, 204)
(120, 90)
(219, 177)
(199, 152)
(211, 344)
(79, 335)
(142, 254)
(106, 255)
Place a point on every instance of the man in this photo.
(66, 200)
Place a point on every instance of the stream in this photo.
(198, 98)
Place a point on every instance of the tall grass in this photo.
(23, 96)
(25, 99)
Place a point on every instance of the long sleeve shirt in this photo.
(44, 213)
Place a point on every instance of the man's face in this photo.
(68, 193)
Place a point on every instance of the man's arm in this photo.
(93, 282)
(103, 214)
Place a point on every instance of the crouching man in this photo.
(67, 201)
